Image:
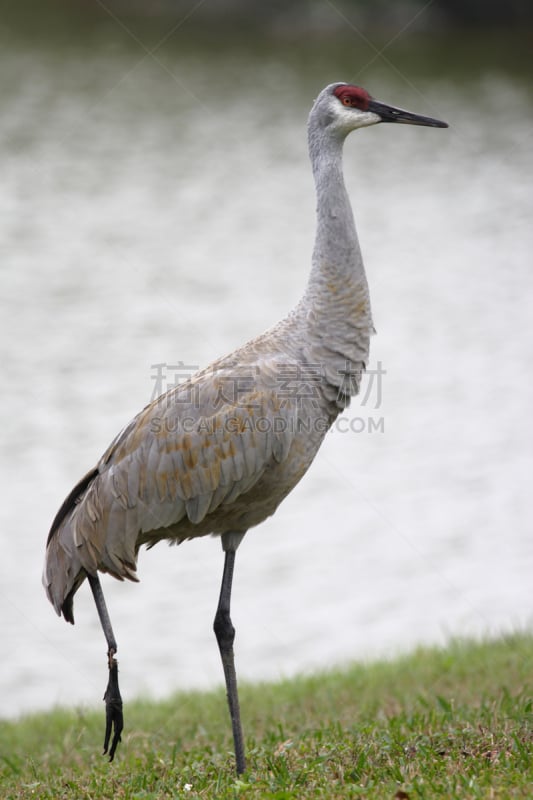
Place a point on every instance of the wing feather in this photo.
(156, 475)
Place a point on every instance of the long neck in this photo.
(336, 245)
(337, 302)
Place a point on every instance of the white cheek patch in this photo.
(349, 119)
(368, 118)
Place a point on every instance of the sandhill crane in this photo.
(218, 453)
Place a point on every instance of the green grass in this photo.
(450, 723)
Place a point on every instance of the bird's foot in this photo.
(113, 708)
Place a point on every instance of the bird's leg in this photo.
(113, 700)
(225, 633)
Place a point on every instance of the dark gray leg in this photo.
(113, 700)
(225, 633)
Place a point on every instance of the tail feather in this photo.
(63, 575)
(63, 571)
(70, 501)
(79, 543)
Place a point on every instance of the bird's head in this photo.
(342, 108)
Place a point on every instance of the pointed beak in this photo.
(391, 114)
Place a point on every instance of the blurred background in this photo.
(157, 207)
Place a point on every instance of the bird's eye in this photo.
(346, 101)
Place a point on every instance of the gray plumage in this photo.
(163, 479)
(218, 453)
